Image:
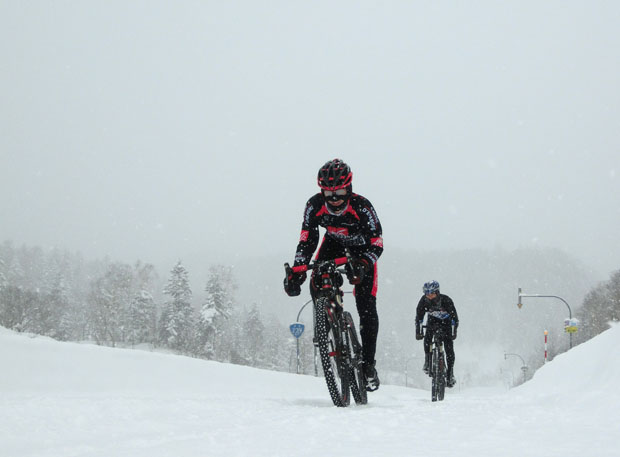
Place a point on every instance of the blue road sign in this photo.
(297, 329)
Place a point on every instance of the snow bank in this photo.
(67, 399)
(588, 372)
(35, 363)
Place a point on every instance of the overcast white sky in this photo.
(156, 130)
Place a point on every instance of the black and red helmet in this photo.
(335, 175)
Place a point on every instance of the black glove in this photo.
(454, 331)
(293, 282)
(356, 270)
(418, 333)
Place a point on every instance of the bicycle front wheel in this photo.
(328, 337)
(438, 374)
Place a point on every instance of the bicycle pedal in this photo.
(372, 384)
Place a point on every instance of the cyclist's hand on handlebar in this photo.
(356, 270)
(293, 282)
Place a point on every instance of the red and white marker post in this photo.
(546, 333)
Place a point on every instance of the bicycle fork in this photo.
(336, 319)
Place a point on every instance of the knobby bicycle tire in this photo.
(438, 368)
(334, 368)
(357, 380)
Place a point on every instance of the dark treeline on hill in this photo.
(60, 294)
(601, 306)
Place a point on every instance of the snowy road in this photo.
(63, 399)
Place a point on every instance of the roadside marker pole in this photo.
(546, 333)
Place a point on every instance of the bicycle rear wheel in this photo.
(357, 380)
(438, 370)
(335, 369)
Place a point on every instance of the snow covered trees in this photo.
(58, 294)
(141, 318)
(109, 298)
(142, 311)
(600, 307)
(254, 331)
(215, 312)
(3, 281)
(37, 309)
(17, 308)
(177, 329)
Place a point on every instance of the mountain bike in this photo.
(437, 370)
(335, 334)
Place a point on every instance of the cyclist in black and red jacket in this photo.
(350, 222)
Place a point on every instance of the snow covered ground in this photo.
(64, 399)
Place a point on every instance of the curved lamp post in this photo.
(570, 313)
(523, 366)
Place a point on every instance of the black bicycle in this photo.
(437, 367)
(335, 334)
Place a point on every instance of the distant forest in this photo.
(59, 294)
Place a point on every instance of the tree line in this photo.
(60, 295)
(601, 306)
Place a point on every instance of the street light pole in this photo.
(297, 340)
(523, 366)
(301, 309)
(570, 313)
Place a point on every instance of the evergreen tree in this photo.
(177, 318)
(109, 300)
(7, 252)
(53, 319)
(280, 348)
(230, 339)
(142, 312)
(77, 278)
(15, 273)
(254, 337)
(215, 313)
(17, 308)
(3, 280)
(49, 315)
(141, 318)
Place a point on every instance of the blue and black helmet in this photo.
(431, 287)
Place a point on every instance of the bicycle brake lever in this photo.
(288, 273)
(347, 253)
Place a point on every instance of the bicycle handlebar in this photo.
(440, 334)
(301, 268)
(337, 262)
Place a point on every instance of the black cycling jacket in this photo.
(440, 310)
(357, 228)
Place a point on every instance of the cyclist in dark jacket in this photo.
(442, 317)
(350, 222)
